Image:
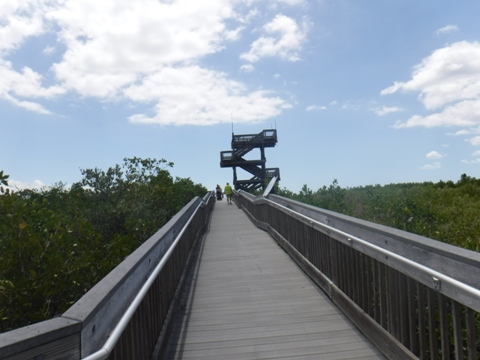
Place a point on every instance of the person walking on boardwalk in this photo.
(219, 192)
(228, 191)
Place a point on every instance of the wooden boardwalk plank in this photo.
(246, 299)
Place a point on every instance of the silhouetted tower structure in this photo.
(243, 144)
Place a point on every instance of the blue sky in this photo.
(365, 92)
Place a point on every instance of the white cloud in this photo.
(384, 110)
(449, 75)
(315, 108)
(284, 38)
(113, 48)
(247, 68)
(434, 155)
(28, 83)
(447, 29)
(196, 96)
(475, 141)
(234, 34)
(15, 87)
(433, 166)
(112, 42)
(292, 2)
(449, 83)
(15, 185)
(462, 132)
(462, 114)
(248, 17)
(29, 105)
(471, 162)
(18, 21)
(49, 50)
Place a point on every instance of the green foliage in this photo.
(445, 211)
(331, 197)
(45, 259)
(55, 244)
(3, 181)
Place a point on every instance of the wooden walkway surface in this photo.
(246, 299)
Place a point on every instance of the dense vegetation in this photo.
(445, 211)
(56, 243)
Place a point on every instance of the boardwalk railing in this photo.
(127, 314)
(413, 297)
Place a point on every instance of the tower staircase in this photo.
(241, 146)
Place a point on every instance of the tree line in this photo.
(58, 242)
(446, 211)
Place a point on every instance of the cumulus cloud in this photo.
(117, 36)
(141, 51)
(16, 87)
(283, 37)
(196, 96)
(475, 141)
(448, 83)
(18, 21)
(462, 132)
(448, 75)
(110, 44)
(247, 68)
(462, 114)
(434, 155)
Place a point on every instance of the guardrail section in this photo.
(413, 297)
(127, 314)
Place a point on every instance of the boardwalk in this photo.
(246, 299)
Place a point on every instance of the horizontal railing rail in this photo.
(412, 296)
(127, 314)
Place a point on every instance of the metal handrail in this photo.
(436, 277)
(239, 152)
(107, 348)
